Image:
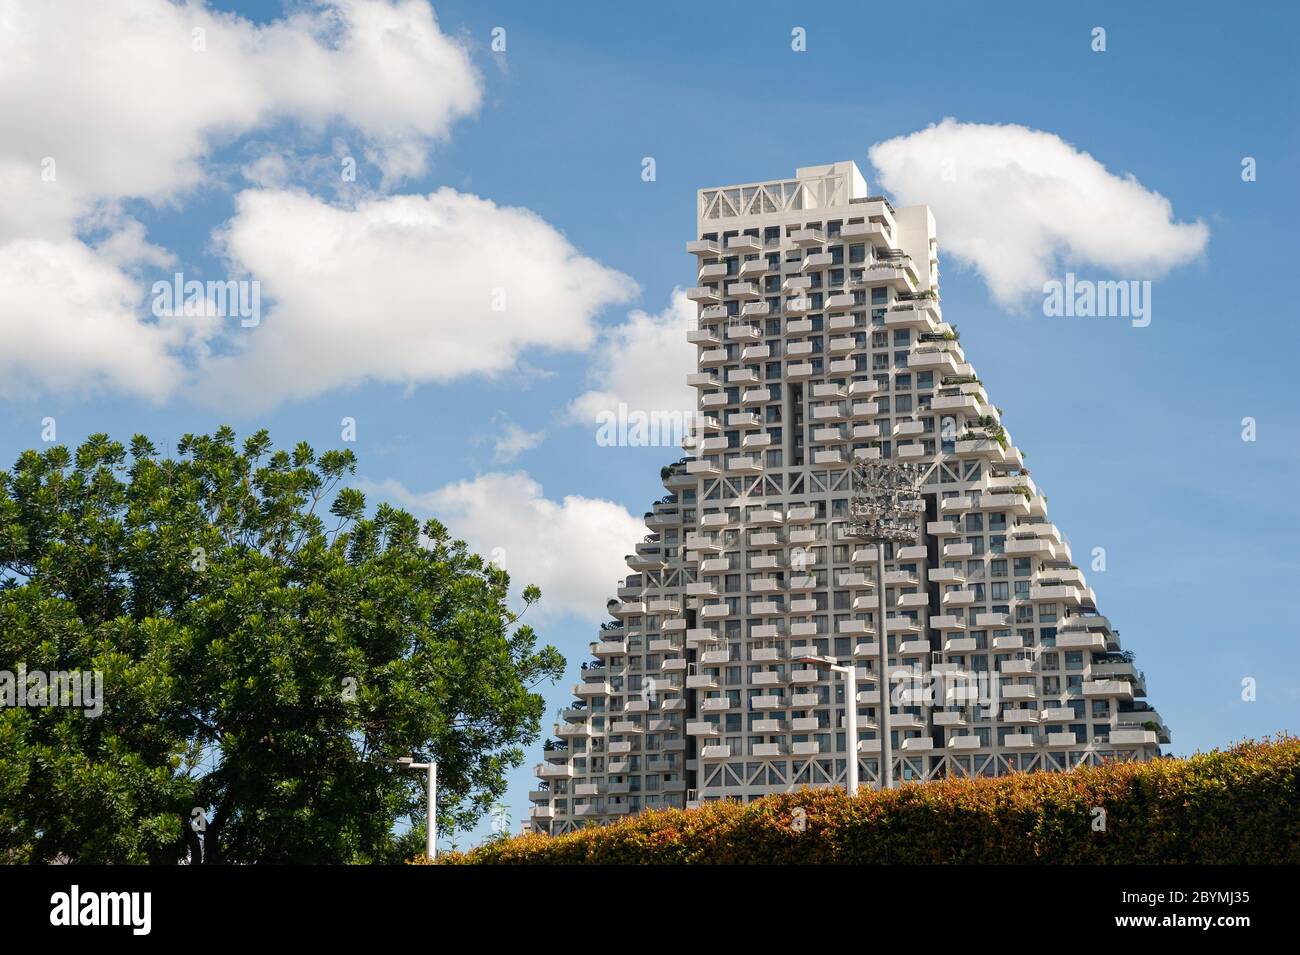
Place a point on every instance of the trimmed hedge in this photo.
(1239, 806)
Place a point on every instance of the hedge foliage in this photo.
(1238, 806)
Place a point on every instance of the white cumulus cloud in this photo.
(108, 102)
(514, 440)
(643, 364)
(68, 323)
(1020, 204)
(402, 289)
(573, 549)
(127, 99)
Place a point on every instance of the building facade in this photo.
(820, 340)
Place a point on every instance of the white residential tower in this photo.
(820, 339)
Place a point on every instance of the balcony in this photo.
(808, 238)
(705, 294)
(1133, 737)
(744, 290)
(896, 273)
(911, 315)
(703, 467)
(817, 261)
(917, 744)
(745, 464)
(955, 404)
(910, 452)
(1058, 714)
(1031, 547)
(713, 357)
(1019, 691)
(715, 751)
(1056, 593)
(702, 728)
(1080, 640)
(767, 750)
(876, 233)
(832, 459)
(744, 244)
(702, 336)
(1107, 689)
(980, 448)
(703, 542)
(1018, 741)
(553, 770)
(704, 247)
(700, 636)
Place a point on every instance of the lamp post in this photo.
(884, 510)
(851, 716)
(431, 823)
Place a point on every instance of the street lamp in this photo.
(884, 509)
(431, 824)
(851, 702)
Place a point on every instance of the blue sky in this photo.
(1134, 434)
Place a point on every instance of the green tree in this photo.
(266, 649)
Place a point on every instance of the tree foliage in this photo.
(266, 649)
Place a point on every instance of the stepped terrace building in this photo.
(820, 342)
